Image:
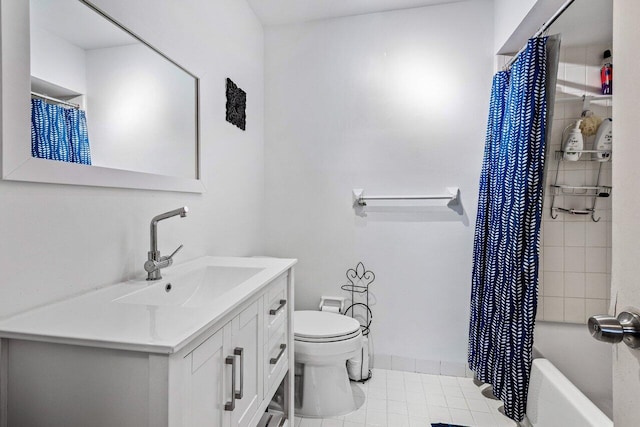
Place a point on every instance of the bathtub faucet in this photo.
(155, 262)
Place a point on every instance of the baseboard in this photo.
(423, 366)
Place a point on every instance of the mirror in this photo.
(575, 272)
(140, 108)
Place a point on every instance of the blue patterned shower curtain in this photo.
(59, 133)
(505, 259)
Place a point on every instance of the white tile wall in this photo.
(407, 399)
(575, 267)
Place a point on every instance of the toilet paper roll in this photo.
(330, 308)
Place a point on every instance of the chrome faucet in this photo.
(155, 262)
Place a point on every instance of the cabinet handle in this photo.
(230, 406)
(275, 360)
(239, 351)
(276, 310)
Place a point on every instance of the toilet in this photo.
(323, 342)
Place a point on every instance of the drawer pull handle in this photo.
(239, 351)
(230, 406)
(275, 360)
(276, 310)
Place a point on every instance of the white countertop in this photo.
(95, 319)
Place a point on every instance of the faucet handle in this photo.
(155, 265)
(175, 252)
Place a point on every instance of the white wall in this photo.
(141, 108)
(58, 240)
(517, 20)
(394, 103)
(508, 14)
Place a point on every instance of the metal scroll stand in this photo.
(359, 281)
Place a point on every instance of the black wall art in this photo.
(236, 105)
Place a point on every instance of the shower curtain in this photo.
(505, 260)
(59, 133)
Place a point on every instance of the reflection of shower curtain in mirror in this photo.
(59, 133)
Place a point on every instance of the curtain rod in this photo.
(541, 30)
(59, 101)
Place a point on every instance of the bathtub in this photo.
(554, 401)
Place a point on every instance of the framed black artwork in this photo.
(236, 105)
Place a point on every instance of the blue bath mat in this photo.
(444, 425)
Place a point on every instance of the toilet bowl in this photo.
(323, 341)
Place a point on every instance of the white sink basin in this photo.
(192, 289)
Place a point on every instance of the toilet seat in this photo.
(324, 327)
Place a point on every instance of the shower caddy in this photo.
(592, 192)
(359, 281)
(587, 192)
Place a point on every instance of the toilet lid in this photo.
(316, 325)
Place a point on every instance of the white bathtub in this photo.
(554, 401)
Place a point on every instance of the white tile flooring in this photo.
(407, 399)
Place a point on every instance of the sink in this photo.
(192, 289)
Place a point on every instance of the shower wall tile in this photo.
(555, 284)
(595, 306)
(553, 258)
(574, 234)
(575, 261)
(553, 233)
(596, 234)
(574, 285)
(574, 309)
(575, 56)
(553, 309)
(572, 110)
(596, 259)
(596, 285)
(540, 312)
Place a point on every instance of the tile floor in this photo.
(407, 399)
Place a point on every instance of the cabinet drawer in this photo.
(276, 303)
(276, 354)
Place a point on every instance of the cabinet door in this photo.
(208, 382)
(246, 345)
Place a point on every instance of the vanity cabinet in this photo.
(225, 376)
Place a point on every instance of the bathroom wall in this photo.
(575, 268)
(57, 240)
(394, 103)
(516, 21)
(508, 15)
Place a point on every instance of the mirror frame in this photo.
(15, 120)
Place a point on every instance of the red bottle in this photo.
(606, 73)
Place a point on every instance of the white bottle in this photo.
(574, 142)
(603, 140)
